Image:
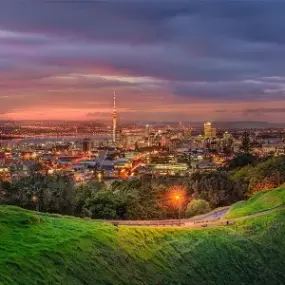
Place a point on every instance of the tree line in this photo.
(145, 198)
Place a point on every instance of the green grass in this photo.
(262, 201)
(45, 249)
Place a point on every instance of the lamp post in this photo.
(100, 176)
(35, 200)
(177, 195)
(178, 199)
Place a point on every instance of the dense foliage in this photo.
(134, 199)
(264, 175)
(54, 194)
(242, 160)
(217, 188)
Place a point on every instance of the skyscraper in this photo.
(147, 133)
(209, 131)
(115, 116)
(87, 145)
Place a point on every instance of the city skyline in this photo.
(176, 61)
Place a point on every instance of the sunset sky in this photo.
(167, 60)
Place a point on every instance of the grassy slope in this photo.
(42, 249)
(261, 201)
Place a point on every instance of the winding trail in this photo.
(214, 218)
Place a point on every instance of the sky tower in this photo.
(115, 116)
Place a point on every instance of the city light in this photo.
(133, 137)
(122, 153)
(100, 176)
(34, 198)
(178, 194)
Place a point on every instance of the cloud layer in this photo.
(174, 60)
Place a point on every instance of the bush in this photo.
(242, 160)
(197, 207)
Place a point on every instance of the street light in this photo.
(35, 200)
(100, 176)
(177, 196)
(178, 199)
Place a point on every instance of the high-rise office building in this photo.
(87, 145)
(147, 134)
(115, 116)
(209, 131)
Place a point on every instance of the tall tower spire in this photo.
(115, 115)
(114, 100)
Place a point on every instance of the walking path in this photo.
(214, 218)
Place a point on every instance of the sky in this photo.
(167, 60)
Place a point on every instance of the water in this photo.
(45, 140)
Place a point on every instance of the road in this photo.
(210, 217)
(214, 218)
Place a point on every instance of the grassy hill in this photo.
(45, 249)
(261, 201)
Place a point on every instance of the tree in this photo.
(217, 188)
(106, 204)
(242, 160)
(83, 193)
(59, 194)
(46, 193)
(267, 175)
(197, 207)
(245, 145)
(141, 198)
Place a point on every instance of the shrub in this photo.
(197, 207)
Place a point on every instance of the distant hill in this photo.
(248, 125)
(39, 249)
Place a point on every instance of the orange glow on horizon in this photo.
(96, 104)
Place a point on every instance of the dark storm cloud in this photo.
(211, 50)
(150, 21)
(246, 90)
